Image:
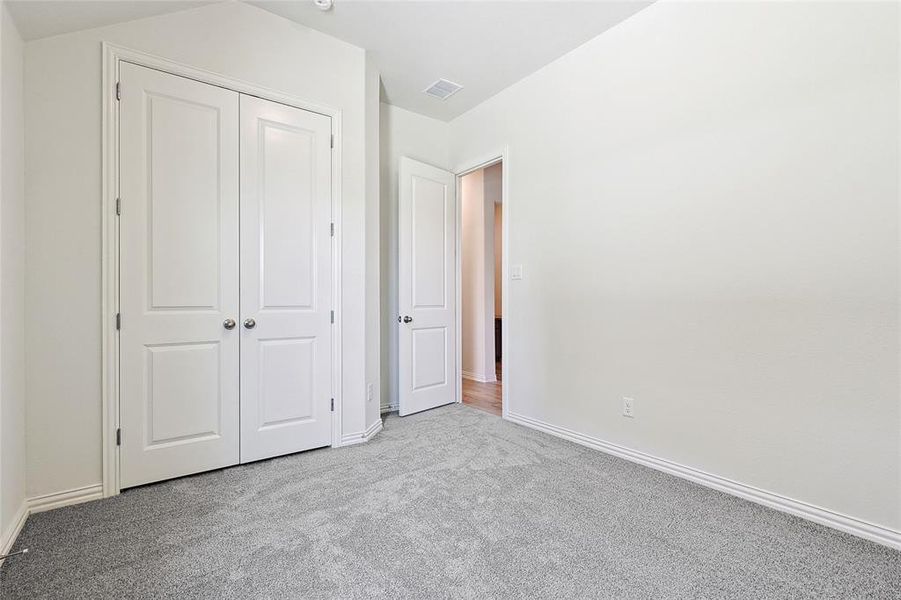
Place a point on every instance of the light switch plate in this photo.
(516, 272)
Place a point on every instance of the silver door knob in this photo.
(228, 323)
(408, 319)
(250, 323)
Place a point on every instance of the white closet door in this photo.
(427, 296)
(179, 276)
(286, 345)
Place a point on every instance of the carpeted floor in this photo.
(451, 503)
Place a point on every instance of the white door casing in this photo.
(286, 279)
(179, 276)
(427, 294)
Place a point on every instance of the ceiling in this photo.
(483, 45)
(42, 18)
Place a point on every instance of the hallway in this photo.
(484, 396)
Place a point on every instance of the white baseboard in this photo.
(478, 377)
(65, 498)
(364, 436)
(15, 527)
(374, 429)
(845, 523)
(46, 502)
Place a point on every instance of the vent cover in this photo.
(443, 89)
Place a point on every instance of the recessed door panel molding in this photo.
(286, 279)
(427, 294)
(287, 374)
(183, 203)
(287, 196)
(429, 357)
(179, 366)
(429, 230)
(183, 398)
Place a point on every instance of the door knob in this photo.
(408, 319)
(228, 323)
(249, 323)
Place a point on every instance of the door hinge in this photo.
(331, 143)
(118, 206)
(118, 321)
(333, 405)
(332, 316)
(332, 229)
(118, 437)
(118, 91)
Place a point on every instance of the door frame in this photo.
(113, 55)
(501, 155)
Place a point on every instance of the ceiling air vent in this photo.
(443, 89)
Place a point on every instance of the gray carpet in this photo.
(452, 503)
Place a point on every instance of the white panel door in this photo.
(179, 276)
(286, 279)
(427, 294)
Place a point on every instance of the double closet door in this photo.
(225, 277)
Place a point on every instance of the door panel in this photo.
(285, 279)
(184, 387)
(430, 223)
(287, 374)
(427, 293)
(179, 276)
(429, 357)
(183, 205)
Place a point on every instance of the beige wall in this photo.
(704, 200)
(477, 277)
(498, 258)
(494, 177)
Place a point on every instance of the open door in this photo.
(427, 296)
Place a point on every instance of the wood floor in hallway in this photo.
(484, 396)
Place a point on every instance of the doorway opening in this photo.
(481, 244)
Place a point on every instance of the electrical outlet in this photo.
(369, 392)
(629, 408)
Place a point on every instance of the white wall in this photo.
(705, 203)
(477, 277)
(373, 245)
(63, 166)
(12, 280)
(402, 133)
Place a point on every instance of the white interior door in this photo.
(427, 295)
(179, 276)
(286, 279)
